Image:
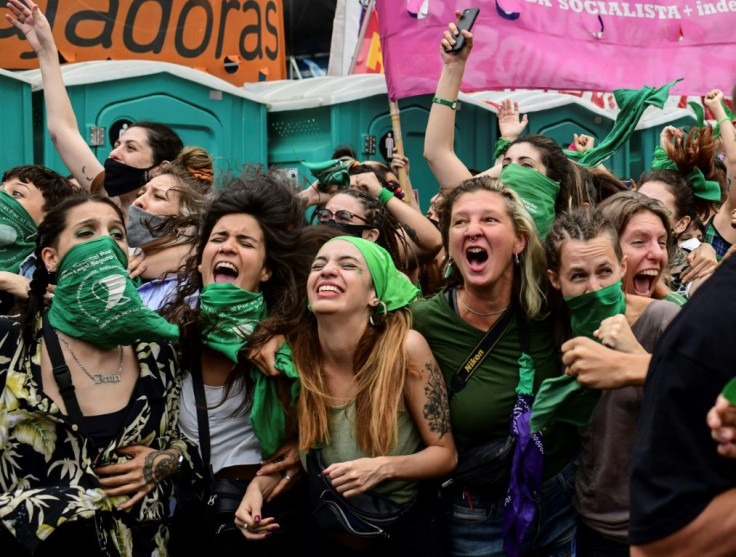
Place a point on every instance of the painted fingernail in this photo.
(257, 518)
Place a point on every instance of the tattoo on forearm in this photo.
(437, 409)
(166, 466)
(411, 233)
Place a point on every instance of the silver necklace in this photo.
(98, 378)
(479, 314)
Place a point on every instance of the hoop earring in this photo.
(370, 320)
(385, 309)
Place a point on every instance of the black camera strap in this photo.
(200, 399)
(479, 353)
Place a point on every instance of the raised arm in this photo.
(439, 139)
(62, 123)
(713, 101)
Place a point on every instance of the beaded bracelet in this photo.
(385, 195)
(451, 104)
(724, 119)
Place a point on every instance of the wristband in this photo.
(385, 195)
(502, 145)
(451, 104)
(724, 119)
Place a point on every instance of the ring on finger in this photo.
(245, 526)
(287, 477)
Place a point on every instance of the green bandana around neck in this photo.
(393, 287)
(710, 190)
(563, 399)
(95, 300)
(632, 103)
(229, 315)
(537, 191)
(330, 173)
(17, 233)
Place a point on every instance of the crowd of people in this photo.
(537, 366)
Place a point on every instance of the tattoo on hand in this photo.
(437, 409)
(167, 465)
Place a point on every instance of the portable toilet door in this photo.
(108, 96)
(16, 124)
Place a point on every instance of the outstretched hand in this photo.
(31, 21)
(510, 122)
(448, 41)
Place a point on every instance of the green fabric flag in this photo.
(228, 316)
(632, 103)
(563, 399)
(700, 116)
(537, 191)
(392, 286)
(95, 300)
(17, 233)
(330, 173)
(709, 190)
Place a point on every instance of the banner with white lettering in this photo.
(591, 45)
(238, 41)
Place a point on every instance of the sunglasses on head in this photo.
(340, 217)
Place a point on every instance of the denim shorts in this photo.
(475, 520)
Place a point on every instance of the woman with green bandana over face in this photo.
(89, 399)
(137, 154)
(28, 192)
(497, 283)
(614, 332)
(372, 399)
(247, 265)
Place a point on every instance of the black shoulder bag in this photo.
(225, 494)
(367, 515)
(487, 466)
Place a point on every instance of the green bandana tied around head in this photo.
(632, 103)
(562, 398)
(228, 316)
(537, 192)
(393, 287)
(96, 301)
(330, 173)
(709, 190)
(17, 233)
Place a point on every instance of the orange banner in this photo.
(239, 41)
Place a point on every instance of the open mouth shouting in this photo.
(477, 257)
(645, 281)
(225, 272)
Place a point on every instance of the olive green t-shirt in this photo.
(481, 411)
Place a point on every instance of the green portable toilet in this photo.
(16, 124)
(308, 119)
(204, 110)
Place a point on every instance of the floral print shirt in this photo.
(47, 466)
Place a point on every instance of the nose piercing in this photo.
(473, 238)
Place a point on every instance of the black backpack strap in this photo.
(203, 423)
(61, 373)
(482, 349)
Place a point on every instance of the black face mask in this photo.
(121, 178)
(349, 229)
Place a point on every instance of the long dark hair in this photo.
(165, 143)
(49, 231)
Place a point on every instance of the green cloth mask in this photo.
(392, 287)
(330, 173)
(709, 190)
(228, 316)
(537, 192)
(96, 301)
(632, 103)
(17, 233)
(563, 399)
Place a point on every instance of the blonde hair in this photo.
(529, 282)
(191, 170)
(380, 364)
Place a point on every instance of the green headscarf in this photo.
(563, 399)
(709, 190)
(228, 316)
(393, 287)
(17, 233)
(330, 173)
(96, 301)
(632, 103)
(537, 192)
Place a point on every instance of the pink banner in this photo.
(591, 45)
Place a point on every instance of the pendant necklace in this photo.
(97, 378)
